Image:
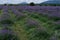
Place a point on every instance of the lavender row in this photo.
(51, 11)
(1, 7)
(6, 33)
(5, 14)
(16, 12)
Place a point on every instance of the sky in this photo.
(19, 1)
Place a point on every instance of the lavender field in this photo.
(29, 22)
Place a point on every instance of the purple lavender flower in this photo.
(17, 13)
(31, 22)
(5, 14)
(7, 35)
(49, 10)
(4, 31)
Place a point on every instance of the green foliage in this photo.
(9, 22)
(32, 4)
(55, 18)
(8, 37)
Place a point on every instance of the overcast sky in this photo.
(19, 1)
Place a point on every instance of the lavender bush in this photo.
(7, 35)
(31, 24)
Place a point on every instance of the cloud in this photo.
(3, 1)
(19, 1)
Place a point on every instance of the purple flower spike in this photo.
(4, 31)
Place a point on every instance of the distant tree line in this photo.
(49, 4)
(33, 4)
